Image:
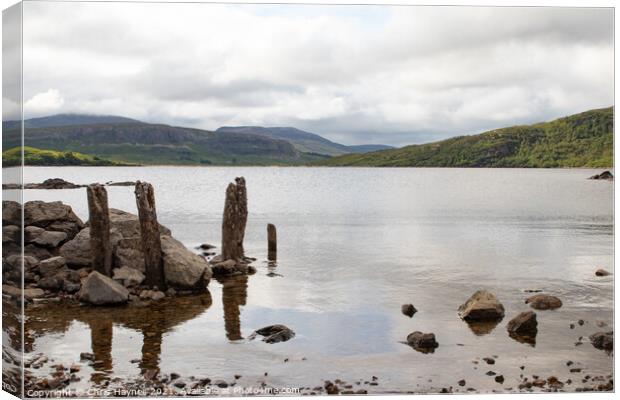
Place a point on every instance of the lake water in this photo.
(354, 244)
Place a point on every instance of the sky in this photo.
(353, 74)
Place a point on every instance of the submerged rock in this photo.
(98, 289)
(603, 340)
(274, 333)
(605, 175)
(424, 342)
(408, 310)
(544, 302)
(182, 268)
(481, 306)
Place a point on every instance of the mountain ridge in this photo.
(304, 141)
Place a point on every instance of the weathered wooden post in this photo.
(99, 217)
(149, 231)
(234, 220)
(272, 243)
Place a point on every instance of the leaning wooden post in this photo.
(99, 217)
(149, 231)
(234, 220)
(272, 243)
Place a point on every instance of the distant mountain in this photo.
(580, 140)
(68, 120)
(304, 141)
(136, 142)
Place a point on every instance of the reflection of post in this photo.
(149, 230)
(272, 243)
(151, 349)
(234, 220)
(101, 343)
(99, 217)
(234, 294)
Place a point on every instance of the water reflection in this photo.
(234, 295)
(481, 328)
(525, 339)
(152, 320)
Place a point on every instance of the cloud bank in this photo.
(355, 74)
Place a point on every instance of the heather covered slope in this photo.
(580, 140)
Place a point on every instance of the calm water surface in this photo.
(355, 244)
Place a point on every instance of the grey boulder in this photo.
(98, 289)
(50, 239)
(182, 268)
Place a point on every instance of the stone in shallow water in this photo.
(424, 342)
(408, 310)
(603, 340)
(524, 327)
(544, 302)
(274, 333)
(481, 306)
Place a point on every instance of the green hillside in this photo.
(34, 156)
(142, 143)
(580, 140)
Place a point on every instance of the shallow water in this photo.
(354, 244)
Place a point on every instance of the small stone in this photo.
(462, 382)
(408, 310)
(602, 272)
(489, 360)
(499, 379)
(544, 302)
(491, 373)
(603, 340)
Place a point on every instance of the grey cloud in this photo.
(413, 75)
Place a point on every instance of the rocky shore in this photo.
(57, 258)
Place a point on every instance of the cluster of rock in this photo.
(57, 183)
(57, 256)
(484, 307)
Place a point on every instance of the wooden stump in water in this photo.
(234, 220)
(272, 243)
(149, 231)
(99, 217)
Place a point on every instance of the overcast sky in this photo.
(354, 74)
